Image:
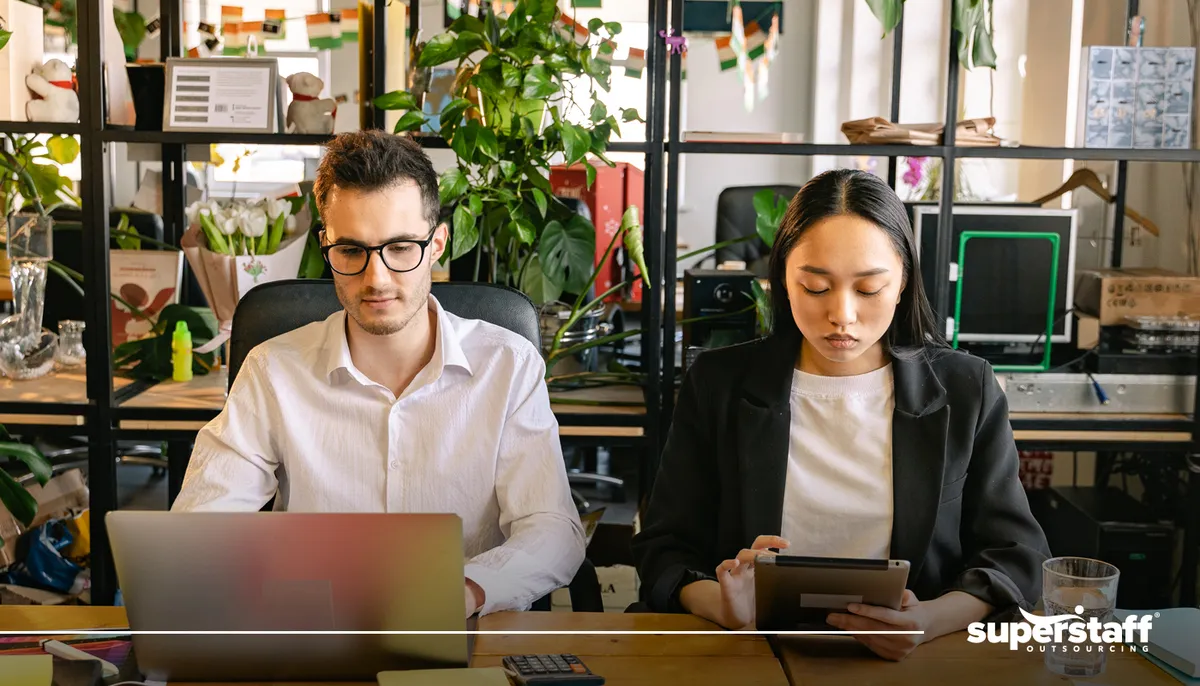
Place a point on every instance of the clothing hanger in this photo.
(1086, 178)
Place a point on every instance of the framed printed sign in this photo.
(215, 94)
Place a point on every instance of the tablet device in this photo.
(798, 593)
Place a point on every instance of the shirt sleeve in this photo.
(232, 468)
(544, 541)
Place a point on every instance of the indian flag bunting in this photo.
(604, 52)
(324, 31)
(763, 69)
(350, 26)
(772, 43)
(273, 19)
(452, 10)
(683, 67)
(231, 14)
(635, 63)
(756, 40)
(725, 54)
(503, 8)
(738, 35)
(235, 42)
(568, 28)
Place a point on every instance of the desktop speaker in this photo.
(724, 302)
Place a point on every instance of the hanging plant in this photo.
(969, 17)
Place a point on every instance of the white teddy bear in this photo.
(308, 113)
(55, 98)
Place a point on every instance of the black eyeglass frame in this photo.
(422, 244)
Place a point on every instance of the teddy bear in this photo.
(54, 93)
(308, 113)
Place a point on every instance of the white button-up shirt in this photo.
(472, 435)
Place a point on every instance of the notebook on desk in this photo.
(1173, 640)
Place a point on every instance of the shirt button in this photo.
(394, 464)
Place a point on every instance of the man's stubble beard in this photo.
(385, 327)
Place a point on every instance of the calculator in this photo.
(544, 670)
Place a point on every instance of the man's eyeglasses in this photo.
(400, 255)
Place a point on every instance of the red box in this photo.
(614, 189)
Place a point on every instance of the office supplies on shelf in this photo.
(1087, 179)
(973, 133)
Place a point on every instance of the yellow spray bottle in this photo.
(181, 352)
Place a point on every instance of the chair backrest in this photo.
(277, 307)
(736, 218)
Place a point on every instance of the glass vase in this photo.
(29, 249)
(71, 352)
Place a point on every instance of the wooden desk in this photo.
(630, 660)
(60, 388)
(947, 660)
(207, 393)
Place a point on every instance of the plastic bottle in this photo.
(181, 352)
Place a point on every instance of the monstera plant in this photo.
(512, 116)
(13, 495)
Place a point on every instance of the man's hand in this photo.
(473, 596)
(912, 616)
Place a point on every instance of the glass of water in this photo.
(1085, 588)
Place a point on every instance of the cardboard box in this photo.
(618, 590)
(614, 189)
(23, 595)
(64, 494)
(1113, 294)
(18, 59)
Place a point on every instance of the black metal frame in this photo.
(948, 152)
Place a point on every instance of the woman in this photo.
(851, 431)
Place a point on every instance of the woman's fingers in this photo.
(764, 542)
(728, 566)
(909, 599)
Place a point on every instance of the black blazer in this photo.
(961, 517)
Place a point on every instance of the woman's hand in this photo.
(912, 616)
(736, 577)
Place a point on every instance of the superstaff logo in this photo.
(1065, 629)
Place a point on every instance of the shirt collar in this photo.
(447, 349)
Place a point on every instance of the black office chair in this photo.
(277, 307)
(736, 218)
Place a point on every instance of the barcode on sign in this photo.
(220, 108)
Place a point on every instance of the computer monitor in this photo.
(1007, 281)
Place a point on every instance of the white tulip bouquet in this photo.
(245, 228)
(234, 246)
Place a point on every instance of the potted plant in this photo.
(13, 495)
(507, 127)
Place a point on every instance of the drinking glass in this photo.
(1086, 588)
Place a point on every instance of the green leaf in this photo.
(635, 247)
(411, 121)
(30, 456)
(452, 185)
(537, 84)
(454, 110)
(63, 149)
(465, 139)
(599, 112)
(613, 28)
(762, 307)
(557, 61)
(4, 36)
(538, 180)
(539, 199)
(476, 204)
(490, 77)
(312, 263)
(19, 501)
(511, 75)
(492, 23)
(466, 233)
(440, 49)
(631, 114)
(468, 24)
(590, 173)
(397, 100)
(487, 143)
(539, 286)
(524, 230)
(595, 25)
(576, 142)
(507, 168)
(518, 18)
(764, 202)
(983, 54)
(569, 250)
(125, 241)
(468, 42)
(966, 14)
(888, 13)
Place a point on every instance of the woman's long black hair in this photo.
(853, 192)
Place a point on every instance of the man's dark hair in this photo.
(373, 160)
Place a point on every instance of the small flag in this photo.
(756, 40)
(272, 18)
(231, 14)
(154, 26)
(738, 35)
(726, 55)
(568, 28)
(350, 26)
(324, 30)
(273, 28)
(604, 52)
(683, 67)
(235, 42)
(772, 43)
(252, 29)
(635, 63)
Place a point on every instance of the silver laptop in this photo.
(290, 572)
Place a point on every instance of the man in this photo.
(394, 404)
